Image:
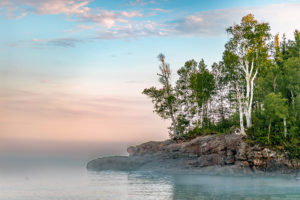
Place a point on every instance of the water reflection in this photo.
(149, 185)
(218, 187)
(65, 181)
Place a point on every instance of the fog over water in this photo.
(62, 175)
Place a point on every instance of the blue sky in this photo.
(86, 62)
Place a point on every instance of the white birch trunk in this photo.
(202, 116)
(285, 129)
(240, 110)
(249, 111)
(249, 90)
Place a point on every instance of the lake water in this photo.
(67, 179)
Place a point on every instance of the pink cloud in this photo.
(131, 14)
(61, 6)
(42, 7)
(71, 8)
(105, 18)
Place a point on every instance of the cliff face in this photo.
(205, 154)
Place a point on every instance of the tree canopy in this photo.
(255, 87)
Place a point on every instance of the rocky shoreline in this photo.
(211, 154)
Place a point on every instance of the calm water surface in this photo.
(66, 179)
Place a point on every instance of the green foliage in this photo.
(222, 127)
(248, 43)
(203, 85)
(293, 47)
(275, 106)
(159, 101)
(164, 99)
(293, 149)
(182, 123)
(260, 76)
(278, 100)
(268, 128)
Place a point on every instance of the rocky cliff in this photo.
(210, 154)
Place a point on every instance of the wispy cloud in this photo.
(133, 31)
(105, 18)
(71, 8)
(64, 42)
(17, 8)
(161, 10)
(282, 17)
(131, 14)
(114, 24)
(109, 23)
(141, 2)
(70, 105)
(40, 43)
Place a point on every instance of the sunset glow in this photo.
(75, 70)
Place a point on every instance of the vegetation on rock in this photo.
(255, 87)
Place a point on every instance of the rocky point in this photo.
(211, 154)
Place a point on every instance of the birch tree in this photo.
(247, 50)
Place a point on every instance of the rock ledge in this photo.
(210, 154)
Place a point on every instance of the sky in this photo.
(74, 70)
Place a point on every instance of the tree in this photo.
(274, 107)
(244, 55)
(164, 99)
(188, 112)
(203, 86)
(257, 82)
(221, 98)
(291, 67)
